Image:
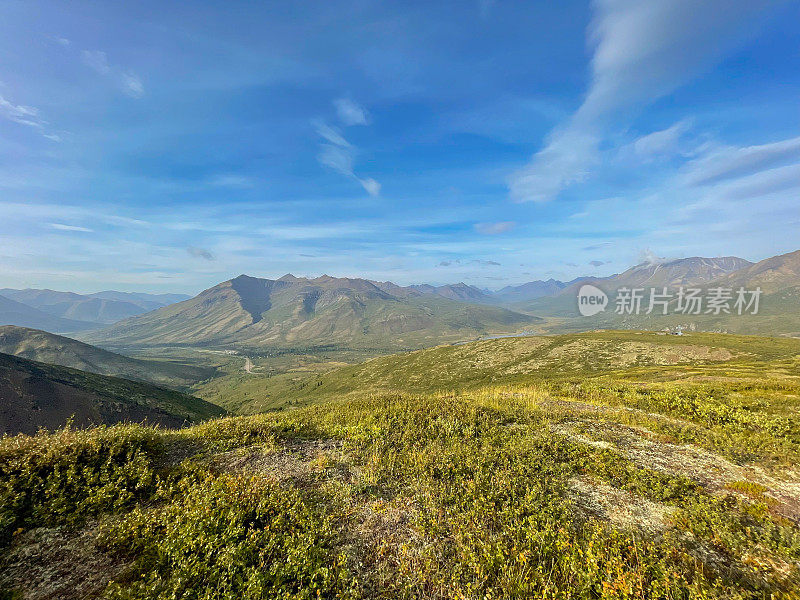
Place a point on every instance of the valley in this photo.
(601, 464)
(390, 438)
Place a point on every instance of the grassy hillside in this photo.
(516, 360)
(66, 352)
(36, 395)
(624, 466)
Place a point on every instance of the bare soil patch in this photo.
(624, 509)
(301, 462)
(58, 564)
(710, 470)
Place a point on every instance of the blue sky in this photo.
(168, 146)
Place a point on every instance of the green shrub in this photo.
(231, 537)
(64, 477)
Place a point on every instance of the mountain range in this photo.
(693, 271)
(293, 311)
(353, 312)
(779, 305)
(65, 312)
(17, 313)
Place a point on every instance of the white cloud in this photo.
(726, 162)
(565, 160)
(494, 228)
(351, 113)
(96, 60)
(659, 143)
(231, 180)
(132, 85)
(337, 154)
(648, 257)
(373, 187)
(336, 158)
(63, 227)
(127, 81)
(642, 51)
(331, 134)
(26, 115)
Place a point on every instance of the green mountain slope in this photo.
(620, 472)
(514, 361)
(34, 395)
(58, 350)
(292, 311)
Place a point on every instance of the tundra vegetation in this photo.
(604, 465)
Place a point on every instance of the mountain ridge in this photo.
(42, 346)
(17, 313)
(38, 395)
(101, 307)
(323, 310)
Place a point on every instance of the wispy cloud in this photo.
(315, 231)
(26, 115)
(231, 180)
(128, 81)
(336, 152)
(351, 113)
(64, 227)
(337, 158)
(96, 60)
(494, 228)
(727, 162)
(642, 51)
(331, 134)
(132, 85)
(660, 143)
(372, 187)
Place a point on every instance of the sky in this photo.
(168, 146)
